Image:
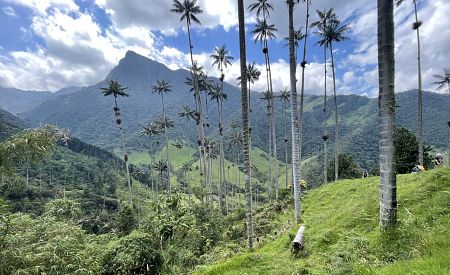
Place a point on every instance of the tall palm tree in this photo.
(160, 166)
(162, 87)
(188, 114)
(178, 144)
(386, 103)
(295, 123)
(245, 125)
(416, 27)
(267, 96)
(152, 129)
(219, 96)
(334, 32)
(441, 81)
(326, 17)
(285, 96)
(300, 115)
(222, 59)
(262, 32)
(115, 89)
(189, 11)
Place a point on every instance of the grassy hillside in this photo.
(343, 237)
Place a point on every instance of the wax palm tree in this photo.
(416, 25)
(115, 89)
(261, 6)
(189, 11)
(162, 87)
(334, 32)
(297, 148)
(160, 166)
(262, 32)
(245, 125)
(188, 114)
(268, 97)
(219, 96)
(326, 18)
(295, 122)
(222, 59)
(386, 103)
(285, 96)
(178, 144)
(441, 81)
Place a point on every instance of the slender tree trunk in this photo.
(125, 158)
(300, 119)
(448, 123)
(167, 146)
(198, 109)
(386, 101)
(220, 190)
(286, 165)
(294, 117)
(419, 80)
(245, 125)
(336, 120)
(325, 118)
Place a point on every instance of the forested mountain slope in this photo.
(89, 116)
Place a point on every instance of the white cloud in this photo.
(78, 51)
(9, 11)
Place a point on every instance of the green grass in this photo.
(343, 236)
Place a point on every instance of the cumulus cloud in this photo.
(78, 50)
(9, 11)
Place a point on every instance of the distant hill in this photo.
(88, 114)
(18, 101)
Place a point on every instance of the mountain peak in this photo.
(134, 66)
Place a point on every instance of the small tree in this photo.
(348, 168)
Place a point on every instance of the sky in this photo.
(52, 44)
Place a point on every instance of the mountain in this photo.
(18, 101)
(89, 115)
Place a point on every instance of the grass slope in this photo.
(343, 236)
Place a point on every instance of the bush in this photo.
(133, 254)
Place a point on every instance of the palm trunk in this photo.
(272, 124)
(286, 165)
(167, 146)
(336, 120)
(300, 119)
(386, 101)
(198, 107)
(127, 169)
(325, 134)
(220, 190)
(448, 123)
(294, 117)
(419, 80)
(245, 124)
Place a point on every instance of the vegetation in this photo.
(68, 207)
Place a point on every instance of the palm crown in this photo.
(217, 93)
(261, 6)
(115, 89)
(221, 57)
(161, 86)
(333, 32)
(263, 31)
(441, 80)
(285, 94)
(188, 10)
(152, 129)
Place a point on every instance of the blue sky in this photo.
(51, 44)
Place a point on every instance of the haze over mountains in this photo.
(88, 114)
